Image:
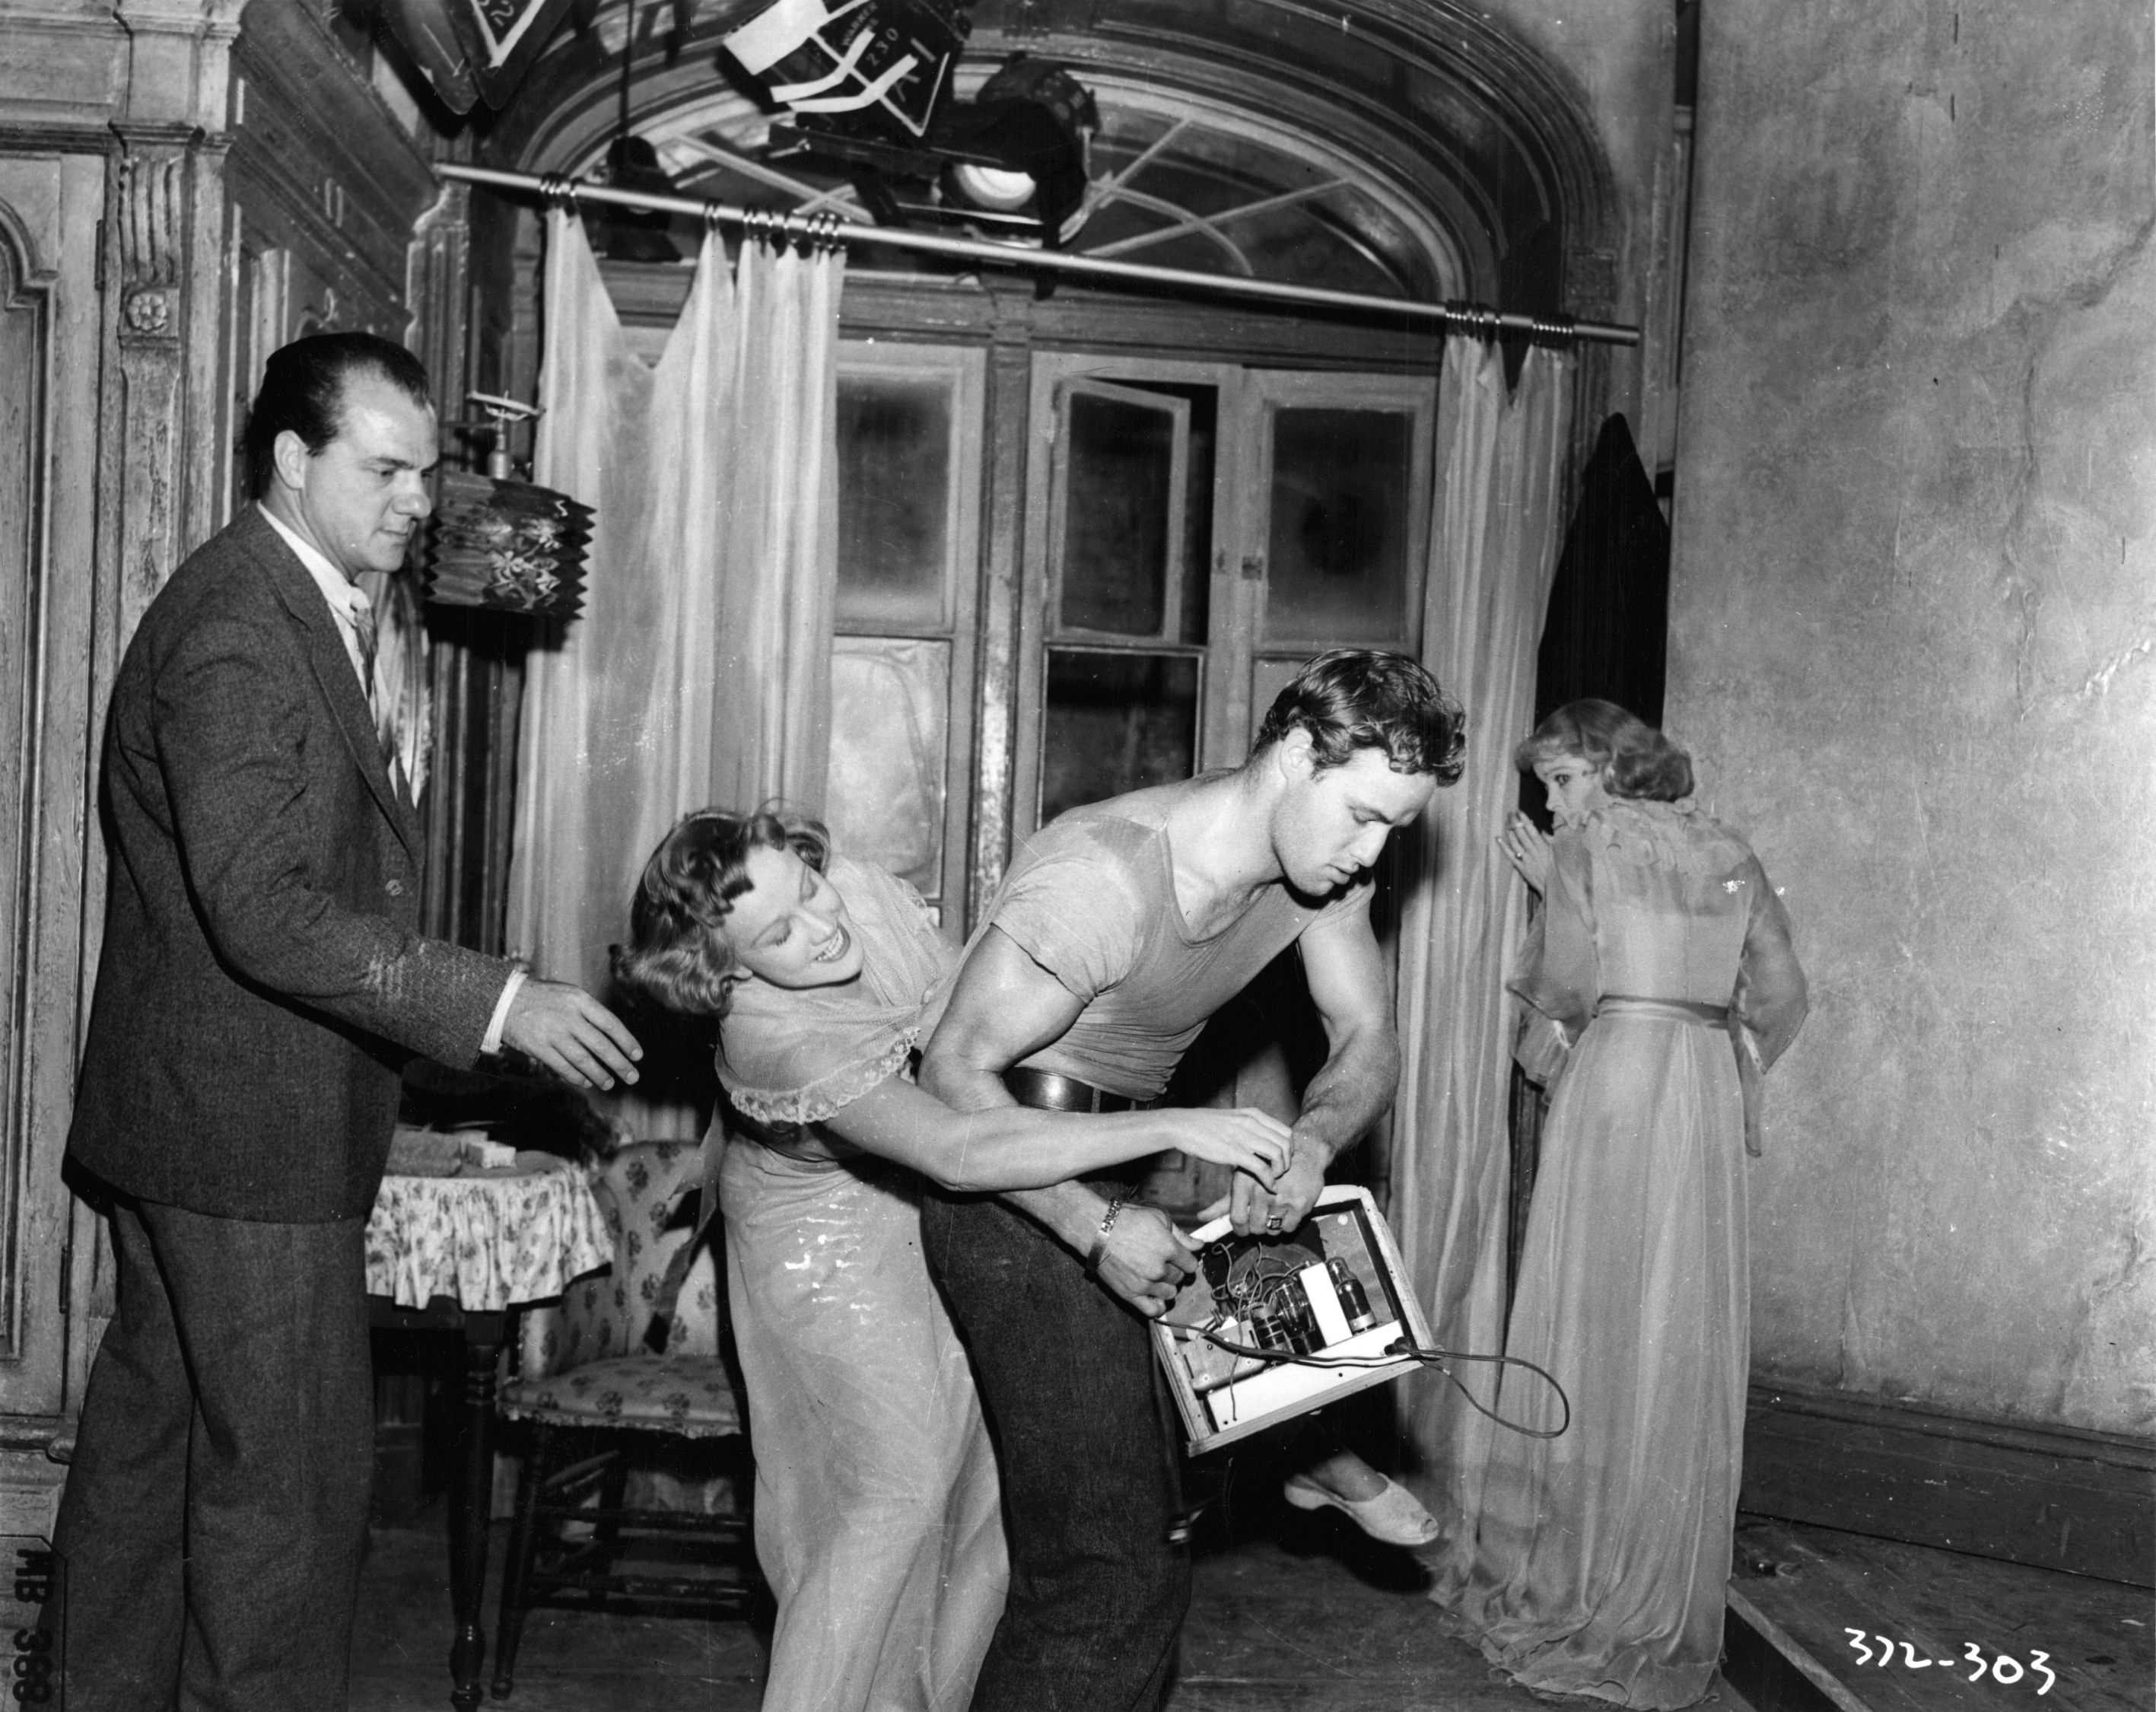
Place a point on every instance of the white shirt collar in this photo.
(348, 603)
(346, 600)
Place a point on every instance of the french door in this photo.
(1190, 533)
(1193, 533)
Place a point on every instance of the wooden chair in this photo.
(591, 1386)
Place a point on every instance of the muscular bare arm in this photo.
(1346, 978)
(1009, 1147)
(1005, 1008)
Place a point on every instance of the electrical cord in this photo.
(1401, 1350)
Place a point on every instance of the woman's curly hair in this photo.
(1634, 759)
(677, 954)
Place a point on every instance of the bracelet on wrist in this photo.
(1101, 1237)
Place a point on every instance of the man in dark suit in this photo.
(260, 988)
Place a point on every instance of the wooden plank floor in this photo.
(1814, 1586)
(1296, 1613)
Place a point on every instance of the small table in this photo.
(461, 1254)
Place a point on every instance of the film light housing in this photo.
(871, 69)
(867, 82)
(470, 50)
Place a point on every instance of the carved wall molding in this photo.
(163, 269)
(26, 356)
(150, 195)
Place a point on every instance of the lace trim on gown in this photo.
(828, 1094)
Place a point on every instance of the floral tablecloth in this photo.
(487, 1239)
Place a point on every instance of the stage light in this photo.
(634, 235)
(1005, 189)
(866, 82)
(472, 50)
(861, 68)
(1021, 147)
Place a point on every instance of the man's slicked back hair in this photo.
(303, 390)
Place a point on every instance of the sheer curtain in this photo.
(1501, 456)
(699, 670)
(771, 732)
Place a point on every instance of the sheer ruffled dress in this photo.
(1659, 981)
(877, 1515)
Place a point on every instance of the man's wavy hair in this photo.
(1634, 759)
(1360, 698)
(303, 390)
(677, 954)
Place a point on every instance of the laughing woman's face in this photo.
(791, 927)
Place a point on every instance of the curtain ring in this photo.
(827, 232)
(560, 190)
(711, 218)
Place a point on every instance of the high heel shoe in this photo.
(1394, 1516)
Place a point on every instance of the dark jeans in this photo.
(215, 1517)
(1084, 1440)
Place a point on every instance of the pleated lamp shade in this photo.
(509, 545)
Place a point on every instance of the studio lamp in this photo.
(634, 235)
(866, 83)
(1022, 146)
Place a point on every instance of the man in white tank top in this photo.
(1121, 928)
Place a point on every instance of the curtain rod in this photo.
(830, 229)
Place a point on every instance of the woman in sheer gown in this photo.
(1658, 982)
(877, 1523)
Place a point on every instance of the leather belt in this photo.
(1046, 1090)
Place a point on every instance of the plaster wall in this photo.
(1617, 59)
(1913, 644)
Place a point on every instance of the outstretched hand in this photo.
(1526, 847)
(1146, 1259)
(1245, 1139)
(564, 1028)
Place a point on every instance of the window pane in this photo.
(1116, 723)
(1268, 678)
(894, 499)
(1336, 568)
(885, 794)
(1117, 501)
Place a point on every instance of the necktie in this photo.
(363, 628)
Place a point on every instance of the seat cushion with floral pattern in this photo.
(584, 1361)
(688, 1396)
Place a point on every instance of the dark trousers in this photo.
(214, 1521)
(1085, 1440)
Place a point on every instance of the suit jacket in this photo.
(261, 983)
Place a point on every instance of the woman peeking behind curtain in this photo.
(1659, 982)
